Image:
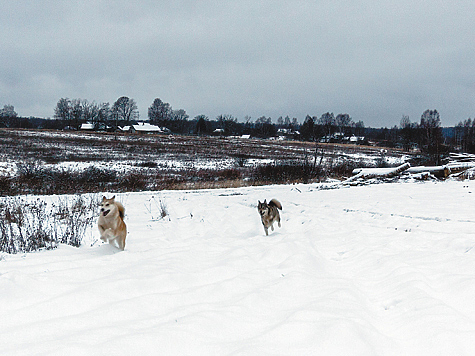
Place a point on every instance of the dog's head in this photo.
(263, 208)
(107, 205)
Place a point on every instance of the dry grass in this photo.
(143, 157)
(29, 225)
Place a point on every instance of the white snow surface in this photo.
(384, 269)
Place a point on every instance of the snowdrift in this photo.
(384, 269)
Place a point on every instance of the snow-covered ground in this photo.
(384, 269)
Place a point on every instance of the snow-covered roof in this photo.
(145, 126)
(87, 126)
(356, 138)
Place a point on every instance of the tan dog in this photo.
(269, 214)
(111, 222)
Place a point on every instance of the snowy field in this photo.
(384, 269)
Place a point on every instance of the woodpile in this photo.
(418, 172)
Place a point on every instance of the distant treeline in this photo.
(428, 136)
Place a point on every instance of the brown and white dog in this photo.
(269, 214)
(111, 222)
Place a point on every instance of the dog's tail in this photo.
(121, 209)
(275, 203)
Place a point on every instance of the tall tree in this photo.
(76, 113)
(103, 116)
(228, 123)
(179, 114)
(408, 132)
(327, 120)
(125, 110)
(359, 128)
(295, 122)
(8, 115)
(90, 111)
(307, 130)
(201, 126)
(8, 111)
(431, 133)
(287, 122)
(159, 112)
(465, 135)
(62, 110)
(342, 121)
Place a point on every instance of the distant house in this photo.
(218, 132)
(357, 139)
(87, 126)
(145, 128)
(285, 134)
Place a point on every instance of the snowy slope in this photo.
(375, 270)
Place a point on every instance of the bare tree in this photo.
(103, 116)
(308, 128)
(343, 120)
(431, 133)
(8, 115)
(63, 110)
(159, 112)
(287, 122)
(201, 127)
(90, 111)
(359, 128)
(8, 111)
(179, 115)
(408, 132)
(327, 120)
(124, 110)
(465, 135)
(405, 121)
(76, 113)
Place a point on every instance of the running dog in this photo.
(111, 222)
(269, 214)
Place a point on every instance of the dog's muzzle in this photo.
(105, 212)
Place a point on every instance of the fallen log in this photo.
(460, 167)
(419, 172)
(438, 171)
(368, 173)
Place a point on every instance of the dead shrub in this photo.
(133, 181)
(32, 225)
(285, 172)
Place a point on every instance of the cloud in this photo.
(375, 61)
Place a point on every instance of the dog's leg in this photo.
(267, 232)
(121, 243)
(107, 235)
(102, 232)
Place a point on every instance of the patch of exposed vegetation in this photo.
(45, 162)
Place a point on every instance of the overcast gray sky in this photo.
(375, 60)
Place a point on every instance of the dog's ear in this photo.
(113, 197)
(265, 201)
(103, 198)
